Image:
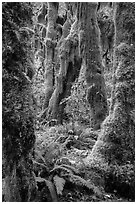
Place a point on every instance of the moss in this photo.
(115, 147)
(18, 118)
(90, 49)
(50, 42)
(70, 64)
(125, 20)
(121, 179)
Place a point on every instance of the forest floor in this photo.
(60, 158)
(64, 148)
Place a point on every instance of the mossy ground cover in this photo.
(55, 148)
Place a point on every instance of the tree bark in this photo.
(50, 42)
(18, 144)
(70, 64)
(105, 17)
(115, 145)
(18, 136)
(90, 50)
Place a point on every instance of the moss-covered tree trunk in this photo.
(50, 42)
(17, 117)
(18, 142)
(105, 17)
(114, 149)
(70, 64)
(90, 50)
(40, 27)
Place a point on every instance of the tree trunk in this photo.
(18, 144)
(18, 136)
(20, 184)
(70, 64)
(105, 17)
(50, 42)
(90, 50)
(115, 145)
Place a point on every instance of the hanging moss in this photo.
(70, 64)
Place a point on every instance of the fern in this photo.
(59, 184)
(50, 186)
(77, 180)
(41, 165)
(71, 168)
(58, 169)
(66, 166)
(71, 177)
(40, 156)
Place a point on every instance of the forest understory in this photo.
(68, 102)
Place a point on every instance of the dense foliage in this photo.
(49, 155)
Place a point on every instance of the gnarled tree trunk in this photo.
(115, 145)
(70, 64)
